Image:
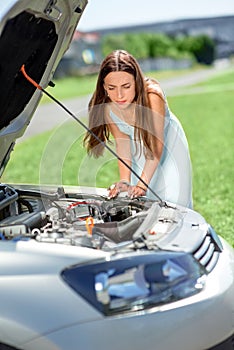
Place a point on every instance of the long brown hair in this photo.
(119, 60)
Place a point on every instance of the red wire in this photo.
(30, 79)
(76, 204)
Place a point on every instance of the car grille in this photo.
(207, 253)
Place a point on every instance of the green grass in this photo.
(208, 120)
(224, 79)
(169, 74)
(58, 157)
(67, 88)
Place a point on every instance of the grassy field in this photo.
(207, 117)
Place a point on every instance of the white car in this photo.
(79, 270)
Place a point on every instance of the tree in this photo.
(202, 47)
(113, 42)
(153, 45)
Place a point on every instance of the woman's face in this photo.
(120, 87)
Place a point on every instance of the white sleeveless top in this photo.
(172, 180)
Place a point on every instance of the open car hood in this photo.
(35, 34)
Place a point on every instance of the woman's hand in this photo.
(136, 191)
(116, 188)
(124, 186)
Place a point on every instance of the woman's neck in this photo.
(127, 114)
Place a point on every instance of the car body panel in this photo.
(34, 290)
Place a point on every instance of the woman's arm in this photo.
(157, 104)
(123, 151)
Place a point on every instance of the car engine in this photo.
(73, 219)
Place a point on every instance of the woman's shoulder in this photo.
(153, 87)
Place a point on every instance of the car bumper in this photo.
(203, 321)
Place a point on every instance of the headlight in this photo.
(137, 281)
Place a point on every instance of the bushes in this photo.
(156, 45)
(202, 47)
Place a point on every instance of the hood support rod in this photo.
(33, 82)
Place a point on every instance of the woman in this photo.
(148, 137)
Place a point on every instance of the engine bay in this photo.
(73, 219)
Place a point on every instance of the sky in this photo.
(101, 14)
